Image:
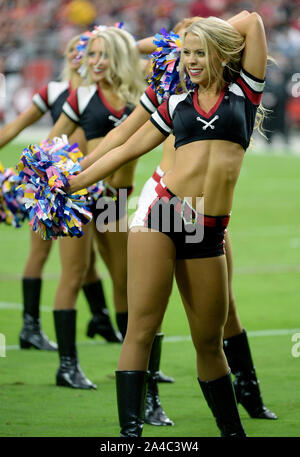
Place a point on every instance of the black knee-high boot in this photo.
(122, 321)
(69, 373)
(220, 397)
(246, 384)
(31, 334)
(100, 323)
(154, 413)
(131, 392)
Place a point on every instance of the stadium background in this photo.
(264, 229)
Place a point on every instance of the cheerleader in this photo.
(115, 83)
(212, 125)
(236, 344)
(50, 98)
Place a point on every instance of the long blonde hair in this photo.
(220, 39)
(186, 22)
(125, 71)
(67, 72)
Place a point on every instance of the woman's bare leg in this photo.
(100, 323)
(38, 254)
(238, 353)
(233, 324)
(112, 246)
(203, 285)
(75, 258)
(151, 258)
(31, 334)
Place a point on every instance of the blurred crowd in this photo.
(33, 35)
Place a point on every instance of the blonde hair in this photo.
(125, 71)
(66, 74)
(221, 40)
(186, 22)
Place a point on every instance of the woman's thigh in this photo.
(203, 285)
(38, 245)
(112, 246)
(75, 252)
(151, 260)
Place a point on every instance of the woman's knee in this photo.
(209, 344)
(141, 335)
(75, 274)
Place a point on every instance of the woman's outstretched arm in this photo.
(25, 119)
(144, 140)
(117, 136)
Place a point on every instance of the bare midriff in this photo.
(207, 169)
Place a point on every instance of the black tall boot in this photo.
(246, 384)
(100, 323)
(122, 320)
(154, 413)
(220, 397)
(131, 392)
(69, 373)
(31, 334)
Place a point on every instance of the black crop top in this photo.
(232, 118)
(87, 106)
(52, 97)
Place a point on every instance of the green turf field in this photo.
(265, 236)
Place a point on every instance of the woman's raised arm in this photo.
(254, 59)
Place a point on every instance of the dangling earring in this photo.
(224, 64)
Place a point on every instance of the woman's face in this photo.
(195, 60)
(73, 63)
(97, 68)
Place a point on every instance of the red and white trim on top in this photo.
(251, 86)
(56, 88)
(149, 100)
(40, 103)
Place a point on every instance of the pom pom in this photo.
(44, 169)
(12, 208)
(95, 191)
(164, 75)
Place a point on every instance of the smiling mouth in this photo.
(195, 72)
(97, 70)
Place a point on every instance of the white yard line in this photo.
(242, 270)
(179, 339)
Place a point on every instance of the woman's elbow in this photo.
(256, 18)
